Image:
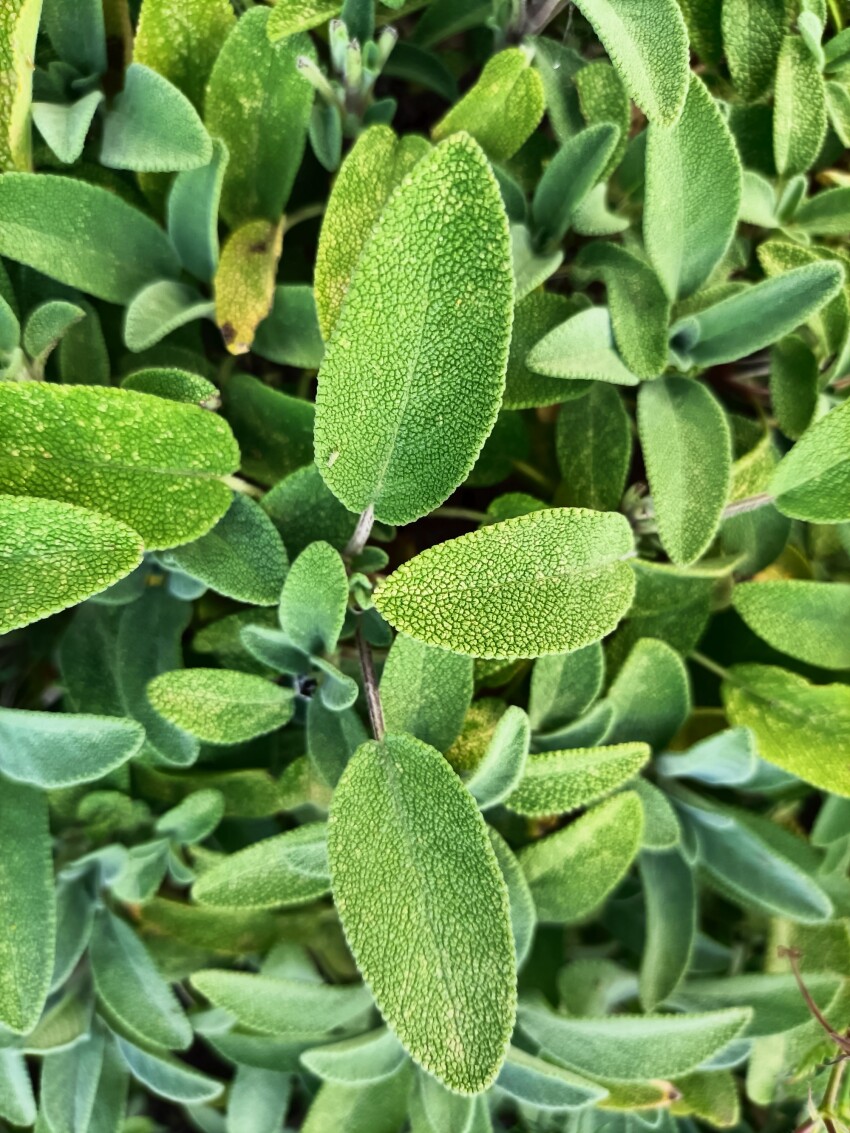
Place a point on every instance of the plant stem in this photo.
(361, 533)
(240, 485)
(308, 212)
(835, 10)
(712, 666)
(751, 503)
(370, 686)
(461, 513)
(531, 473)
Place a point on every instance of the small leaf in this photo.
(688, 453)
(568, 178)
(651, 694)
(451, 313)
(649, 52)
(807, 620)
(290, 335)
(779, 707)
(520, 901)
(368, 1058)
(693, 191)
(403, 827)
(65, 126)
(593, 443)
(192, 820)
(82, 235)
(572, 872)
(259, 105)
(46, 325)
(27, 906)
(502, 110)
(161, 308)
(193, 212)
(168, 1078)
(504, 759)
(812, 481)
(69, 1084)
(752, 38)
(799, 108)
(300, 15)
(220, 706)
(285, 870)
(242, 557)
(380, 1108)
(274, 430)
(49, 749)
(543, 1085)
(425, 691)
(150, 463)
(17, 1102)
(75, 552)
(244, 281)
(332, 739)
(174, 384)
(563, 686)
(603, 98)
(547, 582)
(181, 41)
(536, 315)
(670, 897)
(794, 378)
(583, 347)
(560, 781)
(633, 1048)
(728, 758)
(18, 33)
(530, 268)
(152, 127)
(314, 600)
(137, 1000)
(376, 165)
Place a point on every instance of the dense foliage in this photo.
(424, 566)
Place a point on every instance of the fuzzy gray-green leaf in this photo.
(220, 706)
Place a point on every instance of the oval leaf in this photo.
(806, 620)
(51, 749)
(220, 706)
(813, 481)
(559, 781)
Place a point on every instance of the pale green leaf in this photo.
(563, 686)
(69, 1084)
(220, 706)
(193, 213)
(82, 235)
(774, 998)
(799, 108)
(55, 554)
(425, 910)
(543, 1085)
(530, 268)
(425, 691)
(661, 827)
(285, 870)
(688, 452)
(807, 620)
(752, 37)
(245, 281)
(535, 316)
(633, 1048)
(827, 213)
(451, 314)
(152, 464)
(379, 1108)
(693, 190)
(520, 901)
(168, 1078)
(242, 557)
(651, 694)
(17, 1103)
(433, 1108)
(51, 749)
(779, 707)
(812, 481)
(583, 347)
(369, 1058)
(568, 178)
(503, 761)
(193, 819)
(728, 758)
(161, 308)
(547, 582)
(151, 127)
(181, 40)
(376, 165)
(572, 871)
(559, 781)
(314, 599)
(46, 325)
(593, 443)
(18, 32)
(502, 109)
(65, 127)
(670, 898)
(293, 16)
(27, 906)
(259, 105)
(648, 45)
(258, 1100)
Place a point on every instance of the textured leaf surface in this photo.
(563, 686)
(242, 557)
(376, 165)
(168, 1078)
(54, 554)
(813, 481)
(424, 908)
(502, 110)
(799, 108)
(244, 281)
(372, 1057)
(560, 781)
(448, 298)
(567, 180)
(50, 749)
(593, 443)
(161, 308)
(688, 454)
(583, 347)
(149, 463)
(780, 706)
(258, 105)
(274, 430)
(288, 869)
(544, 1085)
(520, 901)
(807, 620)
(425, 691)
(547, 582)
(314, 600)
(693, 190)
(670, 897)
(536, 315)
(300, 15)
(632, 1048)
(27, 906)
(181, 40)
(82, 235)
(651, 694)
(773, 996)
(18, 31)
(648, 45)
(220, 706)
(572, 872)
(503, 761)
(752, 37)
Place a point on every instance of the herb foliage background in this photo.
(424, 566)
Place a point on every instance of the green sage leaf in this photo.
(560, 781)
(812, 481)
(220, 706)
(285, 870)
(49, 749)
(807, 620)
(425, 691)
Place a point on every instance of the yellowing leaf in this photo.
(812, 481)
(546, 582)
(244, 281)
(424, 908)
(18, 31)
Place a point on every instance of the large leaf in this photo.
(813, 481)
(632, 1048)
(50, 749)
(559, 781)
(220, 706)
(82, 235)
(449, 299)
(780, 707)
(71, 552)
(18, 32)
(648, 45)
(425, 909)
(287, 869)
(693, 190)
(27, 906)
(153, 464)
(376, 165)
(547, 582)
(688, 453)
(181, 39)
(807, 620)
(571, 872)
(425, 691)
(259, 106)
